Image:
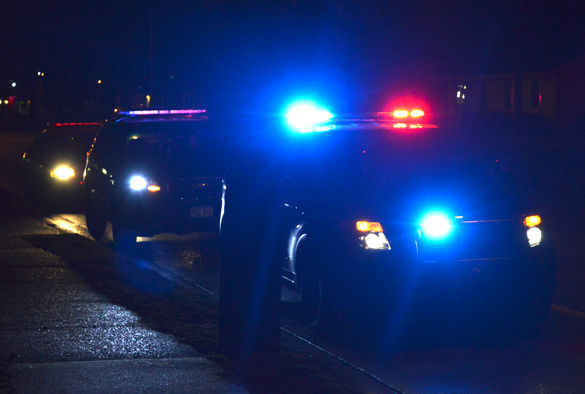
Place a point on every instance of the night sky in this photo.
(235, 50)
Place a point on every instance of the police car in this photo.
(389, 207)
(154, 171)
(52, 167)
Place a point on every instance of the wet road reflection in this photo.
(442, 359)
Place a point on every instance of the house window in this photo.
(461, 93)
(535, 93)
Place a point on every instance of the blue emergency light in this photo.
(306, 116)
(436, 226)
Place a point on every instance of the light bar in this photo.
(400, 113)
(145, 112)
(77, 124)
(403, 113)
(306, 116)
(417, 113)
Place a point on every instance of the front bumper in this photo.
(147, 213)
(455, 273)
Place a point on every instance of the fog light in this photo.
(62, 173)
(534, 235)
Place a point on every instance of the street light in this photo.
(13, 84)
(99, 81)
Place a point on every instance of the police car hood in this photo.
(403, 182)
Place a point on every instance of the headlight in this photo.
(534, 235)
(373, 237)
(139, 183)
(62, 172)
(436, 226)
(377, 241)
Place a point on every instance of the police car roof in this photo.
(161, 115)
(73, 128)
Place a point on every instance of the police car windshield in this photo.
(167, 139)
(376, 152)
(371, 167)
(76, 142)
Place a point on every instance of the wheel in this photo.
(29, 190)
(95, 220)
(315, 290)
(311, 287)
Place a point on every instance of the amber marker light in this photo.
(365, 227)
(532, 221)
(153, 188)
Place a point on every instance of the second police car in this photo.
(52, 166)
(389, 207)
(154, 171)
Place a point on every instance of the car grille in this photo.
(478, 240)
(198, 190)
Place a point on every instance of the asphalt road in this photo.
(551, 360)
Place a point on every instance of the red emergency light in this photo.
(77, 124)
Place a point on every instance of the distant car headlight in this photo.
(138, 183)
(62, 172)
(534, 235)
(436, 226)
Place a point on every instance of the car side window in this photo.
(34, 151)
(105, 147)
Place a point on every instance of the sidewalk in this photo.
(58, 334)
(77, 317)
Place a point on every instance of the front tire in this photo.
(95, 220)
(314, 288)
